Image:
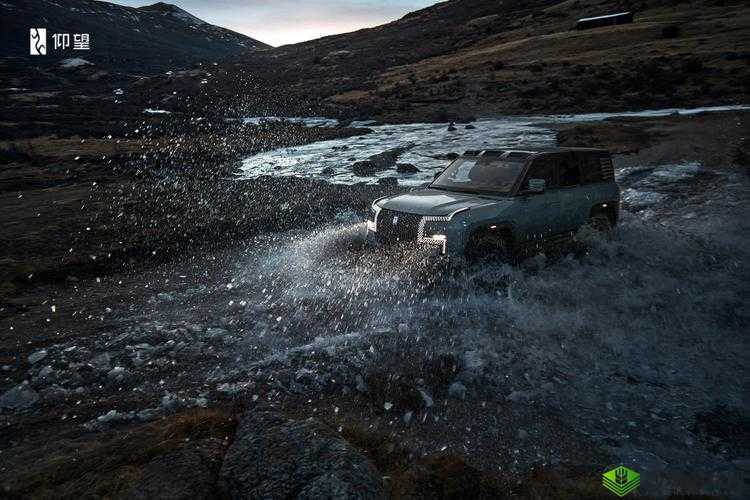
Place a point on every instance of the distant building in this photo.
(608, 20)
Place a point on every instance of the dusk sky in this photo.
(279, 22)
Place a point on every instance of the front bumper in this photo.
(443, 234)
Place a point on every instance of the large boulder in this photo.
(185, 474)
(273, 457)
(379, 162)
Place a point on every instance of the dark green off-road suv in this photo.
(506, 202)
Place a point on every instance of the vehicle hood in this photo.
(435, 202)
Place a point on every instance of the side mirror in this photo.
(537, 185)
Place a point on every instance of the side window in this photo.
(591, 169)
(570, 172)
(542, 168)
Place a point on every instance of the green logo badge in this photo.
(621, 480)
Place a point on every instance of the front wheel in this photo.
(489, 246)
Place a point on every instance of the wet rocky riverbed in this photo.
(631, 351)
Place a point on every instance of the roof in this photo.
(524, 152)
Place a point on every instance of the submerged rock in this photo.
(406, 168)
(276, 458)
(388, 181)
(381, 161)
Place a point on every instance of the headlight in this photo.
(432, 229)
(375, 209)
(372, 225)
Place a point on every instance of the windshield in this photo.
(481, 174)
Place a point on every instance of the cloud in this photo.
(280, 22)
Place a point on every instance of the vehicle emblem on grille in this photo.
(395, 220)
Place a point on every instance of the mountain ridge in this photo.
(147, 39)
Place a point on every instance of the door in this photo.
(539, 214)
(574, 198)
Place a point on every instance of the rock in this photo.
(327, 171)
(37, 356)
(428, 402)
(388, 181)
(381, 161)
(114, 416)
(118, 374)
(20, 397)
(55, 394)
(101, 362)
(517, 396)
(470, 127)
(165, 297)
(170, 402)
(452, 127)
(182, 474)
(457, 390)
(6, 368)
(306, 377)
(272, 457)
(365, 167)
(406, 168)
(149, 414)
(46, 374)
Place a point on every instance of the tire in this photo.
(489, 246)
(602, 224)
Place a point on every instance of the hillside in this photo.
(474, 57)
(147, 39)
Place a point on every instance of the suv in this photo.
(503, 202)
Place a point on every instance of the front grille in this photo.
(404, 228)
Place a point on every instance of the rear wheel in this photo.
(602, 224)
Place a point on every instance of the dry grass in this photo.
(108, 466)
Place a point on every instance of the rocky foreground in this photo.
(224, 357)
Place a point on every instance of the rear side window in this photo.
(542, 168)
(591, 168)
(570, 173)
